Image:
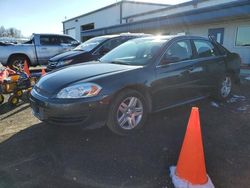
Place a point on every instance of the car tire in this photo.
(1, 99)
(224, 88)
(13, 100)
(127, 113)
(16, 62)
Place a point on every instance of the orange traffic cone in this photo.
(43, 72)
(191, 169)
(26, 68)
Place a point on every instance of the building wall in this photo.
(179, 9)
(230, 32)
(111, 16)
(104, 18)
(107, 17)
(71, 32)
(129, 9)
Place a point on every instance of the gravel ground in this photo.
(34, 154)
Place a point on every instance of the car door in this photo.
(177, 76)
(49, 47)
(211, 61)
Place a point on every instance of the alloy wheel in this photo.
(18, 64)
(129, 113)
(226, 87)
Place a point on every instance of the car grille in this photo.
(67, 120)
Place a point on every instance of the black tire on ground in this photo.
(1, 99)
(13, 100)
(16, 62)
(224, 88)
(127, 113)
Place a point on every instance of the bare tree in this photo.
(10, 32)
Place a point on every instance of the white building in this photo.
(105, 17)
(227, 20)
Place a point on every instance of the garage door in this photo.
(71, 32)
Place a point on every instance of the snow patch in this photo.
(214, 104)
(180, 183)
(247, 78)
(242, 108)
(236, 98)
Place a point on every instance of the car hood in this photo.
(52, 82)
(67, 55)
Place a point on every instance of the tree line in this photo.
(10, 32)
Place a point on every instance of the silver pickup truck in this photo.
(37, 50)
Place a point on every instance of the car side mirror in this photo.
(75, 43)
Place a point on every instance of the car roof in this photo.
(168, 37)
(125, 35)
(52, 34)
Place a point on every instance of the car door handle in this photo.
(44, 48)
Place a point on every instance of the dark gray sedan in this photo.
(137, 78)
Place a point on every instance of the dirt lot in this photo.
(33, 154)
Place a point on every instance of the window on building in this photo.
(217, 33)
(87, 26)
(243, 37)
(204, 48)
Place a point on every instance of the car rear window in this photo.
(90, 44)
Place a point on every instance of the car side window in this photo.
(109, 45)
(48, 40)
(178, 51)
(63, 40)
(44, 40)
(204, 48)
(67, 40)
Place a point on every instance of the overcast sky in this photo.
(46, 16)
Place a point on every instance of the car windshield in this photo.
(134, 52)
(90, 44)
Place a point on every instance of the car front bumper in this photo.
(84, 112)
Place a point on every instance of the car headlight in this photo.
(81, 90)
(64, 62)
